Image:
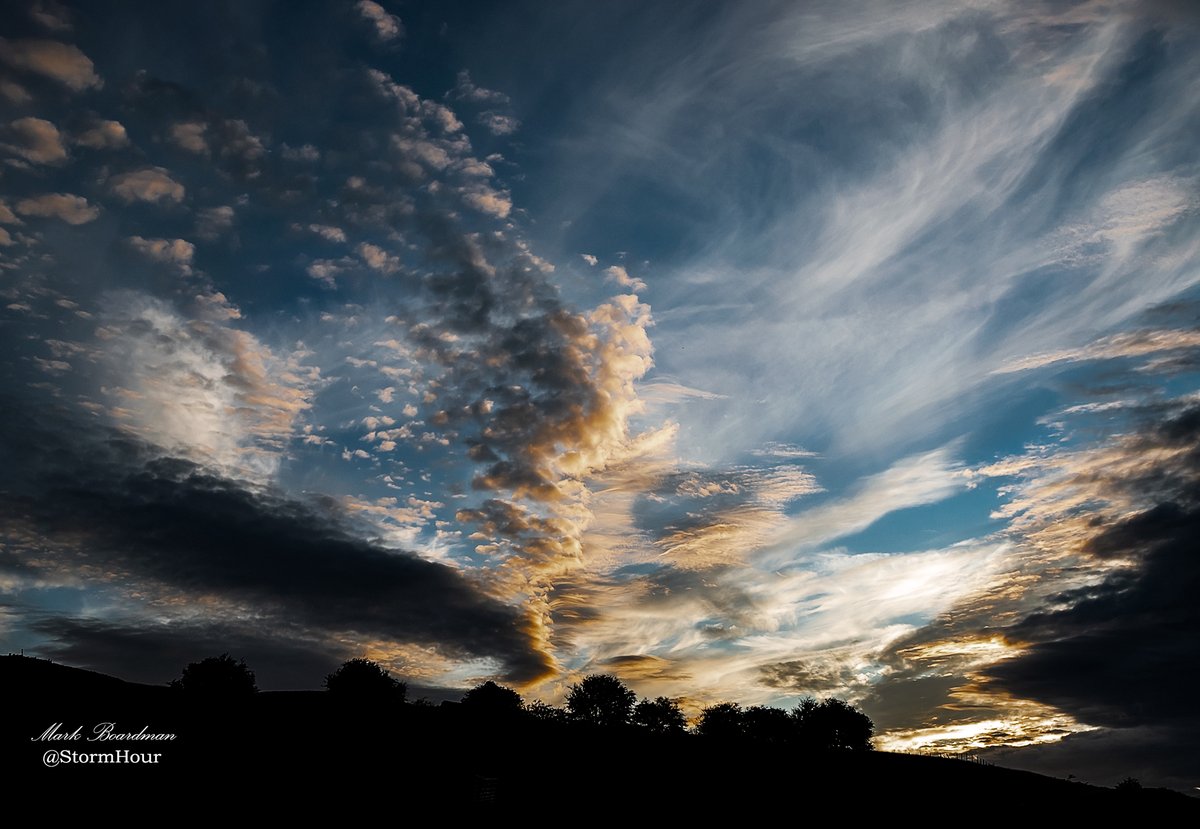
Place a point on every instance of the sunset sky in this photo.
(745, 350)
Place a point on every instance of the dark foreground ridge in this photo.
(471, 761)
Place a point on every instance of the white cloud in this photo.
(329, 233)
(591, 260)
(196, 386)
(910, 482)
(37, 141)
(150, 184)
(177, 252)
(387, 26)
(190, 135)
(378, 259)
(618, 274)
(103, 135)
(486, 200)
(426, 152)
(67, 207)
(498, 123)
(1127, 344)
(325, 271)
(60, 61)
(444, 117)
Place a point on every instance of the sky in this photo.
(745, 351)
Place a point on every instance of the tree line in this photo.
(598, 701)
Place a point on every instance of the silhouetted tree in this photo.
(662, 716)
(832, 723)
(722, 721)
(768, 725)
(493, 700)
(542, 712)
(363, 678)
(217, 676)
(1130, 785)
(601, 699)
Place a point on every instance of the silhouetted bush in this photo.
(217, 676)
(661, 716)
(493, 700)
(832, 723)
(601, 699)
(722, 721)
(364, 678)
(1129, 785)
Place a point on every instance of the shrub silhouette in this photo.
(1130, 785)
(832, 724)
(722, 721)
(493, 700)
(662, 716)
(217, 676)
(601, 699)
(364, 678)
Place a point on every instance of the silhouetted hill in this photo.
(328, 748)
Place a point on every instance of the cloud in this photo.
(378, 259)
(155, 651)
(240, 149)
(197, 386)
(1129, 344)
(587, 257)
(1117, 653)
(387, 26)
(1080, 635)
(14, 92)
(466, 90)
(103, 134)
(60, 61)
(486, 200)
(177, 252)
(36, 140)
(328, 232)
(150, 184)
(498, 123)
(618, 274)
(266, 558)
(910, 482)
(190, 135)
(211, 222)
(325, 271)
(72, 209)
(305, 152)
(52, 15)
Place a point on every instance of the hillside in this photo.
(444, 755)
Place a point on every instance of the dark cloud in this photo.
(1124, 654)
(155, 653)
(116, 505)
(1156, 756)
